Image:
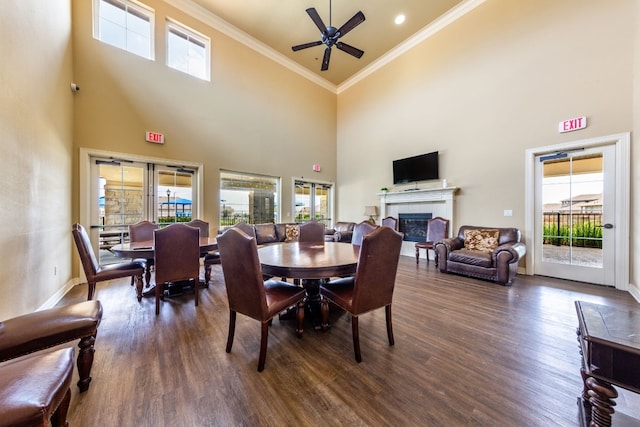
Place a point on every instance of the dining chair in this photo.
(246, 228)
(97, 273)
(371, 287)
(437, 229)
(390, 222)
(177, 258)
(311, 232)
(360, 230)
(208, 258)
(142, 232)
(249, 294)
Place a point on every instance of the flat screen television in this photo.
(417, 168)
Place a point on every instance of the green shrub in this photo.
(585, 234)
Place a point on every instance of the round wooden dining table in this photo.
(312, 263)
(144, 250)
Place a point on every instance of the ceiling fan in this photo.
(331, 34)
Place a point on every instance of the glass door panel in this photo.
(175, 195)
(322, 211)
(119, 199)
(302, 201)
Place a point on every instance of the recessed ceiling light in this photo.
(399, 19)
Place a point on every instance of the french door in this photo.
(313, 201)
(123, 192)
(575, 202)
(577, 210)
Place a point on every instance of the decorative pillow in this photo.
(291, 232)
(481, 240)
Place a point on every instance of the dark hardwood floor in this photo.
(467, 353)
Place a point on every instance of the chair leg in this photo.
(427, 256)
(59, 417)
(324, 313)
(232, 330)
(387, 312)
(196, 285)
(159, 291)
(207, 275)
(147, 274)
(264, 337)
(138, 280)
(85, 361)
(356, 338)
(91, 290)
(417, 255)
(300, 316)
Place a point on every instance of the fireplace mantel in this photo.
(437, 201)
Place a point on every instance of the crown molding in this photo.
(448, 18)
(217, 23)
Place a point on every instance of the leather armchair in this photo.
(341, 232)
(499, 265)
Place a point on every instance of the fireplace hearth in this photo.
(414, 226)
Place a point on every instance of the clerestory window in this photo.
(187, 50)
(125, 24)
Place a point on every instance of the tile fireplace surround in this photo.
(436, 201)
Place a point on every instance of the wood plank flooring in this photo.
(467, 353)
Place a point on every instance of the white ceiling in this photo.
(280, 24)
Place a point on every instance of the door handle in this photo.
(607, 226)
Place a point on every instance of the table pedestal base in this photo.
(311, 306)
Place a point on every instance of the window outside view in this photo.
(248, 198)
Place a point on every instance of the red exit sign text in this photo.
(154, 137)
(572, 124)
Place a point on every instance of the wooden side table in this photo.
(610, 346)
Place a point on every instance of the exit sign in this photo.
(154, 137)
(572, 124)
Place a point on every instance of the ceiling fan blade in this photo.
(306, 45)
(325, 60)
(355, 20)
(350, 49)
(316, 19)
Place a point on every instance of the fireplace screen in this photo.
(414, 226)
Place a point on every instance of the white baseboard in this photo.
(55, 298)
(635, 292)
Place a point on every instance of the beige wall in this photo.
(254, 115)
(484, 90)
(36, 123)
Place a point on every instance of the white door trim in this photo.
(621, 225)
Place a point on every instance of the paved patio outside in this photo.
(589, 257)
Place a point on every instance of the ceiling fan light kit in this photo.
(330, 36)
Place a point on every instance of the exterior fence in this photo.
(231, 219)
(571, 229)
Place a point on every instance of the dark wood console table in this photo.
(610, 346)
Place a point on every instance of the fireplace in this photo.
(414, 226)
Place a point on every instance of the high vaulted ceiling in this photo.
(281, 24)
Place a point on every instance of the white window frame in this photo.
(131, 7)
(194, 38)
